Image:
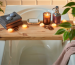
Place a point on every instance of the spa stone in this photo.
(12, 15)
(9, 18)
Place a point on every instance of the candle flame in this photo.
(42, 24)
(47, 14)
(10, 30)
(74, 22)
(53, 25)
(24, 26)
(64, 20)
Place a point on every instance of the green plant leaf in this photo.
(71, 34)
(65, 35)
(65, 11)
(60, 31)
(1, 10)
(73, 11)
(1, 3)
(66, 25)
(70, 4)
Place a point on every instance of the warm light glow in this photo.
(74, 22)
(24, 26)
(47, 14)
(54, 25)
(42, 24)
(10, 30)
(64, 20)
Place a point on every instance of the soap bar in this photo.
(33, 21)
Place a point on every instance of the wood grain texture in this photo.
(33, 32)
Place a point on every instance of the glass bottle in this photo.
(56, 16)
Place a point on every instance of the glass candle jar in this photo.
(46, 18)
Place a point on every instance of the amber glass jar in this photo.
(46, 18)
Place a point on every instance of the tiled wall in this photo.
(37, 2)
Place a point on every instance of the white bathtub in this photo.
(35, 52)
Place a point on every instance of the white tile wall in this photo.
(37, 2)
(33, 2)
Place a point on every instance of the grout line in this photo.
(66, 1)
(20, 2)
(51, 2)
(5, 3)
(36, 2)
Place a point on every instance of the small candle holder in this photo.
(46, 18)
(74, 22)
(24, 26)
(42, 24)
(64, 21)
(10, 30)
(54, 25)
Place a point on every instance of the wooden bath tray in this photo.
(33, 32)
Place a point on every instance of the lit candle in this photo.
(10, 30)
(42, 24)
(24, 26)
(64, 20)
(74, 22)
(47, 15)
(46, 18)
(53, 25)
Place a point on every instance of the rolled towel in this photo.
(67, 55)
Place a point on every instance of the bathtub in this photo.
(32, 52)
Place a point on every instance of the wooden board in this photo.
(33, 32)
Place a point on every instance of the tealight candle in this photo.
(10, 30)
(24, 26)
(42, 24)
(64, 20)
(53, 25)
(74, 22)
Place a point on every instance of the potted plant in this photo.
(1, 5)
(70, 33)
